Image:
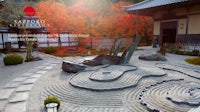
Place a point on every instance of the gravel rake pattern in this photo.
(137, 90)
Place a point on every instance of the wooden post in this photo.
(3, 41)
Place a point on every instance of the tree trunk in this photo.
(29, 56)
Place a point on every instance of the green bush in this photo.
(50, 50)
(13, 59)
(194, 53)
(52, 99)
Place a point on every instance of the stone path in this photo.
(15, 94)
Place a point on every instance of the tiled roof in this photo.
(151, 3)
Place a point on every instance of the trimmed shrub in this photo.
(50, 50)
(194, 53)
(13, 59)
(195, 61)
(52, 99)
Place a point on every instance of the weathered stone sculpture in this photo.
(113, 58)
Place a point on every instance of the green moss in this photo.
(195, 61)
(13, 59)
(52, 99)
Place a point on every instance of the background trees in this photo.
(9, 12)
(105, 18)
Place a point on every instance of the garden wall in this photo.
(104, 43)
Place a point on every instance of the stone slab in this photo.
(6, 93)
(16, 107)
(41, 72)
(54, 64)
(29, 81)
(27, 74)
(36, 76)
(19, 79)
(48, 67)
(24, 88)
(19, 97)
(12, 85)
(40, 67)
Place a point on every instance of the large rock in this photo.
(153, 57)
(104, 59)
(72, 68)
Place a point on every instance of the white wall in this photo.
(194, 24)
(156, 28)
(182, 24)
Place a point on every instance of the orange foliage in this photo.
(114, 23)
(54, 14)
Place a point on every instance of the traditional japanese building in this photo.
(174, 20)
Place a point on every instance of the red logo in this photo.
(29, 11)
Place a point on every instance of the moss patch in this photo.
(195, 61)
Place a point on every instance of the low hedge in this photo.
(50, 50)
(52, 99)
(13, 59)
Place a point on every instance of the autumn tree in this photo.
(89, 17)
(10, 11)
(55, 16)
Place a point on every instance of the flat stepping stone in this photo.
(40, 67)
(27, 74)
(22, 88)
(19, 97)
(6, 93)
(19, 79)
(54, 64)
(48, 67)
(29, 81)
(12, 84)
(41, 72)
(16, 107)
(36, 76)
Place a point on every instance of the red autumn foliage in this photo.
(114, 23)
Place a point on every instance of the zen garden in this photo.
(99, 56)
